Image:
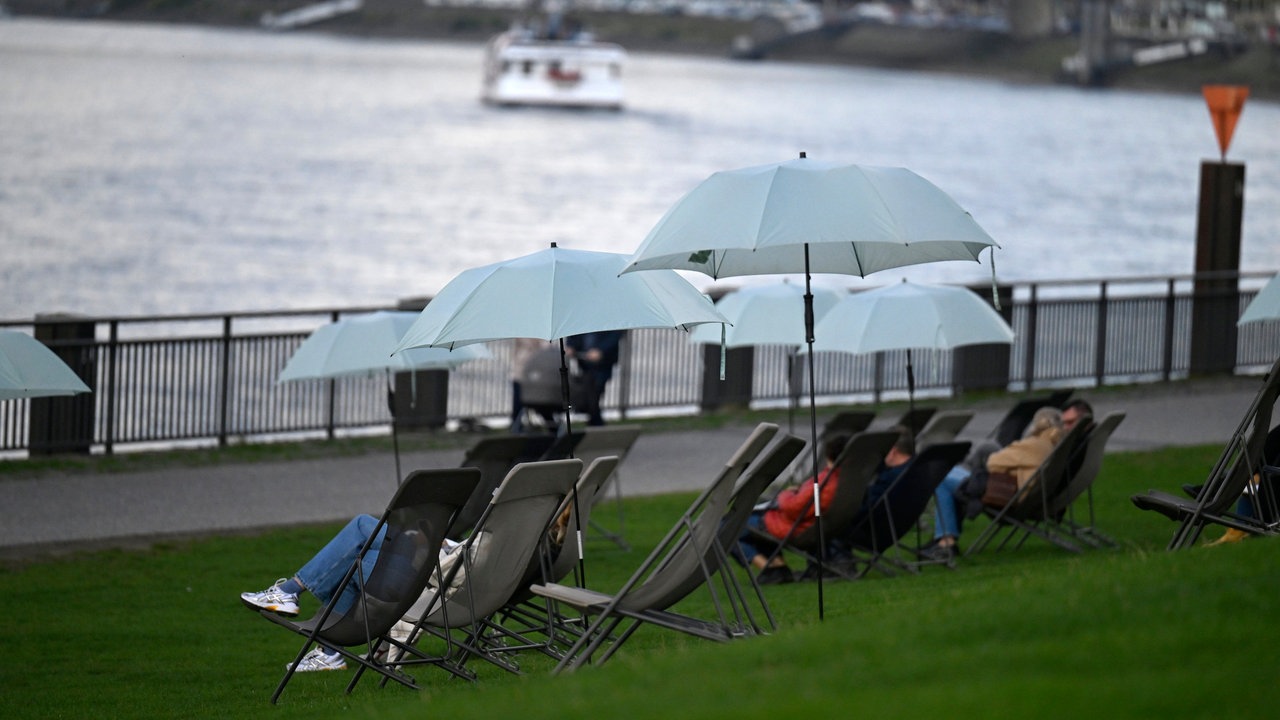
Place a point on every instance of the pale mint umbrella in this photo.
(1265, 305)
(553, 294)
(29, 369)
(907, 316)
(811, 216)
(363, 345)
(766, 315)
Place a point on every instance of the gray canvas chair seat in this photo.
(615, 441)
(1087, 468)
(1027, 512)
(884, 525)
(417, 520)
(674, 568)
(1241, 460)
(495, 456)
(943, 427)
(491, 563)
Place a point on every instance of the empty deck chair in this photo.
(1027, 510)
(495, 456)
(873, 533)
(857, 465)
(676, 567)
(848, 422)
(1241, 459)
(616, 441)
(417, 520)
(943, 427)
(915, 418)
(490, 565)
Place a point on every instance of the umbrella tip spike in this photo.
(553, 243)
(803, 154)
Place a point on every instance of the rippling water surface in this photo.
(157, 169)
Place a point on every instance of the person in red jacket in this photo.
(781, 514)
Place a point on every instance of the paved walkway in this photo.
(59, 512)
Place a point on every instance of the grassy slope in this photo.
(1131, 633)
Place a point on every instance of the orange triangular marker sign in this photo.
(1225, 104)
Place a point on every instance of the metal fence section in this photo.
(212, 378)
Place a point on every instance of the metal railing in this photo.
(211, 378)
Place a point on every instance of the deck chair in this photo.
(417, 520)
(495, 456)
(914, 419)
(615, 441)
(1015, 421)
(873, 533)
(666, 576)
(1026, 512)
(1241, 459)
(857, 463)
(848, 422)
(943, 427)
(525, 614)
(489, 567)
(1080, 484)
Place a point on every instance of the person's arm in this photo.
(794, 501)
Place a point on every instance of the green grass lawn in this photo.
(1031, 632)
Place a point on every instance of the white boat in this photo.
(523, 68)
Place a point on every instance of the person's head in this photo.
(833, 446)
(1047, 422)
(1074, 412)
(903, 448)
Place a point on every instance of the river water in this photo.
(168, 169)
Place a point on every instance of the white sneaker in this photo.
(273, 599)
(318, 660)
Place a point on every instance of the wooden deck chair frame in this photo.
(663, 578)
(883, 526)
(1241, 459)
(1029, 506)
(492, 561)
(418, 518)
(857, 465)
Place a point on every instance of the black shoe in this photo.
(1192, 490)
(780, 575)
(940, 553)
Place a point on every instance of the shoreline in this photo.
(954, 52)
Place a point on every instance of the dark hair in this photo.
(835, 445)
(1079, 405)
(906, 442)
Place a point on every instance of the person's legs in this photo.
(322, 573)
(946, 518)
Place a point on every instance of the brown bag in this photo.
(1001, 487)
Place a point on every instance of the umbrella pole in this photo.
(911, 392)
(395, 433)
(813, 428)
(568, 430)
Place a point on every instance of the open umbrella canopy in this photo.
(770, 314)
(29, 369)
(907, 315)
(851, 219)
(1265, 305)
(363, 344)
(553, 294)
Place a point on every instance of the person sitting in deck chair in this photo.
(1020, 458)
(321, 574)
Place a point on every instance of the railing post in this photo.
(1170, 309)
(225, 391)
(624, 375)
(1100, 358)
(878, 377)
(1029, 361)
(113, 345)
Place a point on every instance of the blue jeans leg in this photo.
(946, 516)
(747, 542)
(323, 572)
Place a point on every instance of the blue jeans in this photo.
(747, 543)
(323, 572)
(947, 517)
